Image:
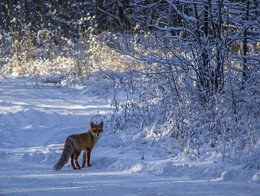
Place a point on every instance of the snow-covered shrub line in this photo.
(161, 104)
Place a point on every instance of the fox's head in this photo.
(96, 129)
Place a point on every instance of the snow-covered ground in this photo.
(37, 117)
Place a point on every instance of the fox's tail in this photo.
(67, 152)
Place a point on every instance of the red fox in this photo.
(74, 144)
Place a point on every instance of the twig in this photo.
(5, 110)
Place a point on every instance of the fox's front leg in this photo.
(84, 158)
(88, 156)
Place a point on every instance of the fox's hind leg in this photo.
(72, 162)
(76, 159)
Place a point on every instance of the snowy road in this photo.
(34, 122)
(42, 181)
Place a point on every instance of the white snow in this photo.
(36, 119)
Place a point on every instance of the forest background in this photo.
(190, 69)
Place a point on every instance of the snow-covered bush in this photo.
(169, 111)
(224, 128)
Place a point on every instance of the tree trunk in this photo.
(245, 47)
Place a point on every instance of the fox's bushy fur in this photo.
(67, 152)
(74, 144)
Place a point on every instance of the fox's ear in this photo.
(92, 125)
(101, 124)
